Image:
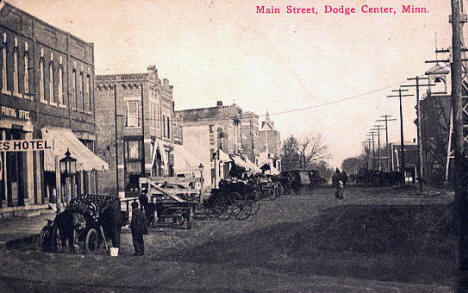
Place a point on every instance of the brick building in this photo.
(226, 118)
(219, 131)
(270, 143)
(47, 82)
(136, 128)
(250, 139)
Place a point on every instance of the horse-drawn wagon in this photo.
(83, 226)
(170, 200)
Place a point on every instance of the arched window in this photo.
(60, 82)
(51, 80)
(26, 69)
(88, 91)
(41, 78)
(15, 70)
(4, 66)
(74, 88)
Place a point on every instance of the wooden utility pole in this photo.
(386, 120)
(372, 134)
(420, 168)
(460, 188)
(368, 141)
(378, 128)
(402, 137)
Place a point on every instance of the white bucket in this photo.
(114, 251)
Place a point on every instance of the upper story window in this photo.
(82, 92)
(4, 66)
(151, 113)
(88, 90)
(74, 88)
(26, 69)
(41, 78)
(133, 113)
(168, 127)
(15, 70)
(164, 125)
(60, 82)
(51, 80)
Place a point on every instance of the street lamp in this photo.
(68, 170)
(68, 165)
(201, 167)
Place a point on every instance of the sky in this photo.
(223, 50)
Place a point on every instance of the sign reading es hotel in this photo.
(25, 145)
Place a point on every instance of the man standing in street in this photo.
(139, 228)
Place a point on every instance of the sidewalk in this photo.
(23, 229)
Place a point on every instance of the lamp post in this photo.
(201, 167)
(68, 170)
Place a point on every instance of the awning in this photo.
(64, 139)
(184, 161)
(162, 152)
(246, 164)
(253, 167)
(223, 157)
(239, 162)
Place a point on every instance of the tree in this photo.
(290, 154)
(311, 150)
(301, 154)
(353, 164)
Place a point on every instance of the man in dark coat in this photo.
(139, 227)
(113, 220)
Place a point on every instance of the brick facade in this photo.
(47, 80)
(136, 113)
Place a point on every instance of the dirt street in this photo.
(376, 240)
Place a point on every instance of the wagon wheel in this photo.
(245, 210)
(91, 241)
(222, 208)
(209, 212)
(237, 202)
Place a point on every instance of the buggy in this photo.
(79, 226)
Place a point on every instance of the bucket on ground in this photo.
(114, 251)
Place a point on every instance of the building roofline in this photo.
(4, 3)
(204, 108)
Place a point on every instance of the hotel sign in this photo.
(26, 145)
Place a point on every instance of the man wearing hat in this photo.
(139, 228)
